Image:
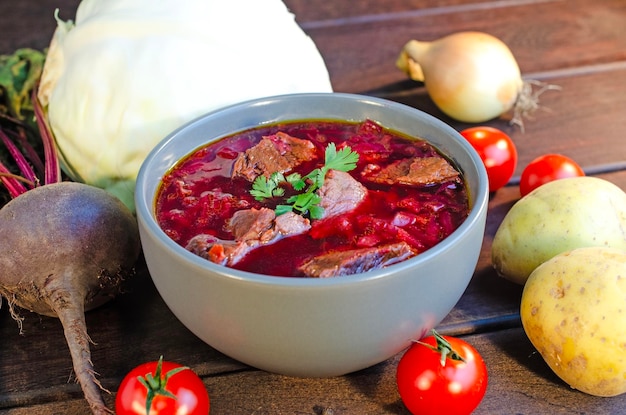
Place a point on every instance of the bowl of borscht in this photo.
(312, 235)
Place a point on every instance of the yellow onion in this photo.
(470, 76)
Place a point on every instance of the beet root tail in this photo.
(72, 316)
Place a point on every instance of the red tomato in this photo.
(441, 375)
(172, 388)
(547, 168)
(497, 151)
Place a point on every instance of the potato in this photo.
(573, 310)
(559, 216)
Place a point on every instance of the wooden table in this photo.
(576, 44)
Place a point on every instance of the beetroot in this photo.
(65, 249)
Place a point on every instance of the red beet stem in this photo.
(28, 150)
(52, 168)
(20, 160)
(11, 182)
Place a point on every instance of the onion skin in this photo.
(471, 76)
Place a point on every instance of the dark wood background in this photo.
(576, 44)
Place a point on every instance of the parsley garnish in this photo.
(306, 202)
(264, 188)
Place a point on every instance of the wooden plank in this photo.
(518, 377)
(577, 45)
(135, 327)
(544, 37)
(31, 24)
(349, 12)
(570, 121)
(491, 302)
(519, 383)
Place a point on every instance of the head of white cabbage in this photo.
(128, 72)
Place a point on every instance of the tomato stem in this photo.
(156, 385)
(443, 347)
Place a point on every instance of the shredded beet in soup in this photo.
(312, 199)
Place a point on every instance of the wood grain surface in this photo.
(576, 44)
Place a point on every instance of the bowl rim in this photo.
(145, 205)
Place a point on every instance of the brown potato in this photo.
(559, 216)
(573, 310)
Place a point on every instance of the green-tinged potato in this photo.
(573, 311)
(559, 216)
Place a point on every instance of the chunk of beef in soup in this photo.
(262, 225)
(217, 250)
(279, 152)
(419, 171)
(338, 263)
(340, 193)
(251, 229)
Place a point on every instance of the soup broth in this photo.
(402, 198)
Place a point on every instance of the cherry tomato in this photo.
(167, 388)
(545, 169)
(497, 151)
(441, 375)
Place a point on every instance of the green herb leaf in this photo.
(297, 181)
(281, 209)
(307, 202)
(264, 188)
(317, 177)
(261, 189)
(303, 202)
(343, 160)
(316, 212)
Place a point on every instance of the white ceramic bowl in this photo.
(311, 327)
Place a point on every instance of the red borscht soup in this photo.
(312, 199)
